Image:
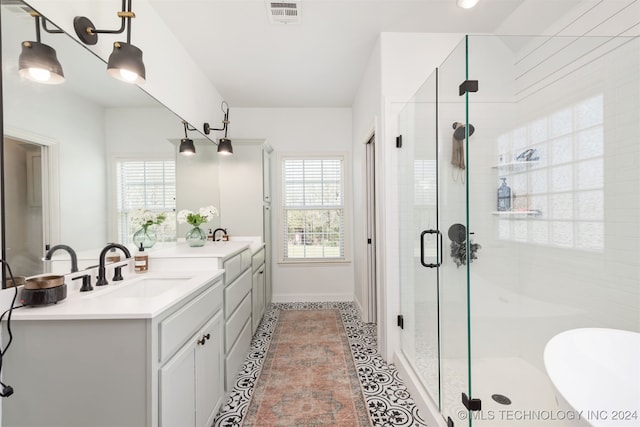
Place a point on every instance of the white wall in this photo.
(366, 121)
(565, 285)
(142, 130)
(241, 196)
(197, 184)
(300, 130)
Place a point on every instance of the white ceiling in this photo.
(319, 61)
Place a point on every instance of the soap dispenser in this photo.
(504, 196)
(141, 260)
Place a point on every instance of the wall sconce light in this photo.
(38, 62)
(125, 62)
(467, 4)
(186, 145)
(224, 144)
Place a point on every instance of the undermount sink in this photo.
(148, 287)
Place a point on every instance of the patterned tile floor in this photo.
(389, 402)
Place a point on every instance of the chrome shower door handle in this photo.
(438, 262)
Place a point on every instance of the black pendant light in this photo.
(125, 62)
(186, 145)
(224, 144)
(38, 62)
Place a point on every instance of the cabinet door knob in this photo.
(204, 339)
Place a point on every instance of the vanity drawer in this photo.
(232, 268)
(176, 329)
(257, 260)
(234, 325)
(235, 293)
(237, 355)
(245, 259)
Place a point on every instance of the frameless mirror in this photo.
(60, 142)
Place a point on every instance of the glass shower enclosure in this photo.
(520, 228)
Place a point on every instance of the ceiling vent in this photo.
(284, 12)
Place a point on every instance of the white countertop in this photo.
(178, 249)
(155, 292)
(114, 302)
(209, 250)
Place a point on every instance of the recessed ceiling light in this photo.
(467, 4)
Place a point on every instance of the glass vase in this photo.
(196, 237)
(146, 236)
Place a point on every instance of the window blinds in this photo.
(313, 208)
(145, 184)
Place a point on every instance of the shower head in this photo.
(460, 132)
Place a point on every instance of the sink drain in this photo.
(501, 399)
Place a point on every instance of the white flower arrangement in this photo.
(203, 215)
(144, 218)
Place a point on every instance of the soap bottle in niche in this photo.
(141, 260)
(504, 196)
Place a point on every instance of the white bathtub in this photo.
(596, 374)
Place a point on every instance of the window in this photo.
(313, 208)
(146, 184)
(566, 185)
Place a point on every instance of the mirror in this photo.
(60, 142)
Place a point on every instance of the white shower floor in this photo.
(532, 396)
(533, 402)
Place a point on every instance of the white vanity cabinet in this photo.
(237, 312)
(190, 383)
(191, 380)
(258, 286)
(235, 258)
(157, 368)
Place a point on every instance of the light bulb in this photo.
(39, 74)
(467, 4)
(128, 76)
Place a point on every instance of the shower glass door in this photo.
(455, 163)
(434, 237)
(419, 236)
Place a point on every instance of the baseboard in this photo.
(359, 307)
(312, 297)
(426, 406)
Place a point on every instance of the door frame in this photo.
(370, 198)
(50, 181)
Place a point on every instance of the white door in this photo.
(372, 306)
(24, 207)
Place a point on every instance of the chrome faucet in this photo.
(102, 279)
(224, 231)
(72, 253)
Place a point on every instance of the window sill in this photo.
(313, 261)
